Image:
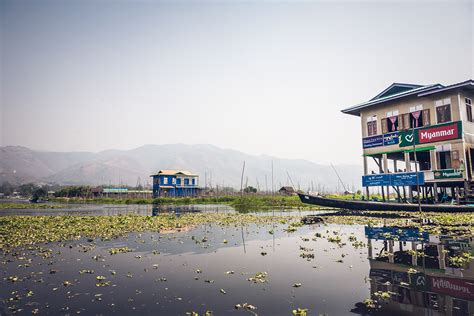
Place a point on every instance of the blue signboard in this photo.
(373, 141)
(376, 180)
(380, 140)
(390, 139)
(407, 178)
(394, 233)
(392, 179)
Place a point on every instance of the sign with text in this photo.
(407, 178)
(393, 233)
(390, 139)
(393, 179)
(453, 287)
(380, 140)
(448, 174)
(376, 180)
(373, 141)
(431, 134)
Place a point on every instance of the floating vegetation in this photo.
(300, 312)
(26, 230)
(460, 260)
(114, 251)
(246, 306)
(259, 277)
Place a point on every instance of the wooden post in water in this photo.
(242, 181)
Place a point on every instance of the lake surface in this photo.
(328, 269)
(145, 210)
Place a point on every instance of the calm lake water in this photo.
(209, 267)
(145, 210)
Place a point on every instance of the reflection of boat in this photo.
(417, 272)
(381, 206)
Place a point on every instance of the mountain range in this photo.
(216, 166)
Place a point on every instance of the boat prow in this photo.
(380, 206)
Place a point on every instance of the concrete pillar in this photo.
(441, 256)
(369, 248)
(408, 168)
(385, 170)
(433, 160)
(366, 172)
(414, 259)
(391, 256)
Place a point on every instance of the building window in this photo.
(372, 126)
(186, 181)
(468, 109)
(179, 181)
(194, 181)
(416, 116)
(173, 181)
(443, 111)
(165, 180)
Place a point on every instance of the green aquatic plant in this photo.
(461, 260)
(300, 312)
(259, 277)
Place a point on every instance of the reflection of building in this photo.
(175, 183)
(434, 286)
(438, 120)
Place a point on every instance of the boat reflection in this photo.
(423, 274)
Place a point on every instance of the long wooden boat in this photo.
(381, 206)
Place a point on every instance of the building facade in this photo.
(175, 183)
(432, 125)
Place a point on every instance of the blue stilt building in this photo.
(175, 183)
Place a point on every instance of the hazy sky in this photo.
(260, 77)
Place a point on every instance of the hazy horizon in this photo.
(258, 77)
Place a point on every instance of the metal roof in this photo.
(417, 90)
(469, 84)
(355, 110)
(175, 172)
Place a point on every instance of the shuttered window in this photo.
(426, 117)
(384, 126)
(443, 111)
(468, 109)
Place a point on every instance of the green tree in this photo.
(250, 189)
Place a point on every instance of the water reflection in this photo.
(422, 272)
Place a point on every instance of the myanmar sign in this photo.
(431, 134)
(458, 288)
(380, 140)
(393, 179)
(448, 174)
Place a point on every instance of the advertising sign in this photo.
(431, 134)
(376, 180)
(453, 287)
(447, 174)
(380, 140)
(407, 178)
(373, 141)
(390, 139)
(395, 179)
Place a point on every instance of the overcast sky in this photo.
(259, 77)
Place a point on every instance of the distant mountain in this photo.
(215, 165)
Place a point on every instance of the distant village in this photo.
(165, 183)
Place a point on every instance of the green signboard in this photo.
(431, 134)
(447, 174)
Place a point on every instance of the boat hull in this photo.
(380, 206)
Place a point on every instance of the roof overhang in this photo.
(465, 85)
(355, 110)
